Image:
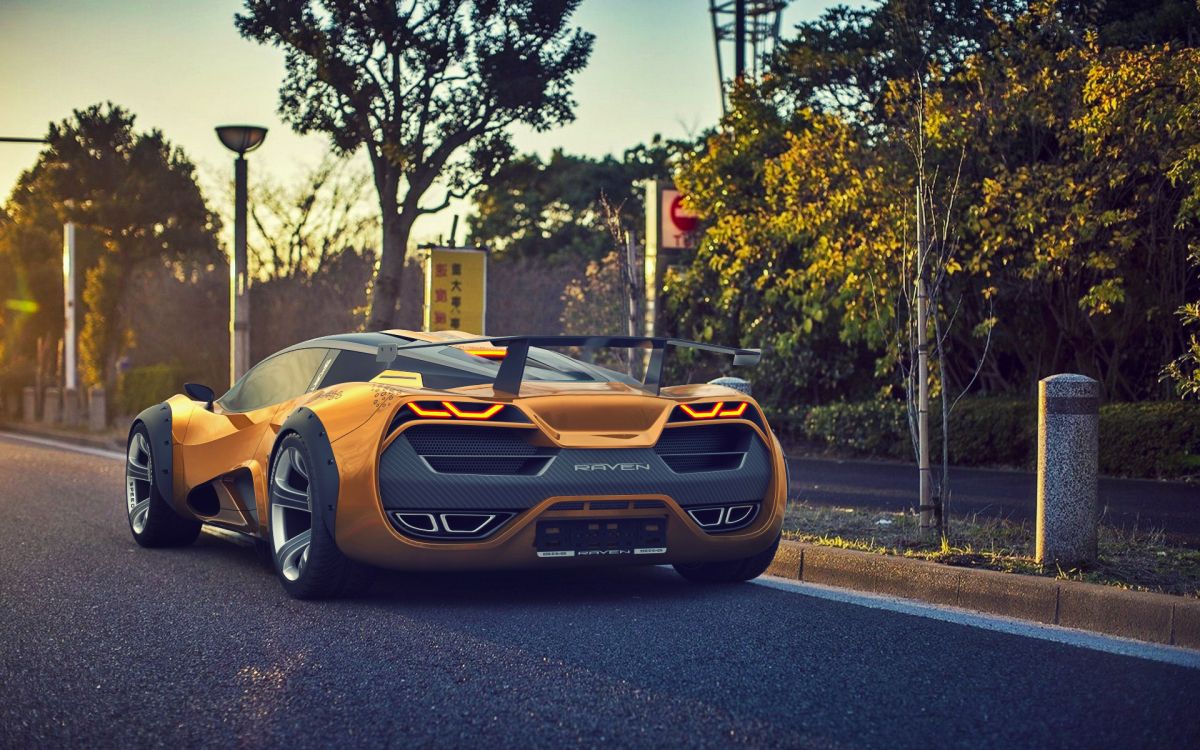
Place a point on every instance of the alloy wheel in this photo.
(139, 470)
(291, 512)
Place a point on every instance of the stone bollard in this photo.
(97, 409)
(51, 406)
(29, 403)
(1067, 465)
(738, 384)
(70, 404)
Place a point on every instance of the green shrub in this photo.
(140, 387)
(989, 432)
(1158, 439)
(865, 428)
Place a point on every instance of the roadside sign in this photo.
(678, 225)
(455, 289)
(671, 231)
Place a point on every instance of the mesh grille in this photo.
(705, 439)
(703, 462)
(704, 448)
(486, 464)
(447, 440)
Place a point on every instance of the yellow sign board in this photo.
(455, 289)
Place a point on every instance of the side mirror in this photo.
(197, 392)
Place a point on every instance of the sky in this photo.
(182, 67)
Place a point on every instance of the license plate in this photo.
(607, 537)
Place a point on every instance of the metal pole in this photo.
(70, 374)
(717, 34)
(739, 39)
(239, 300)
(928, 517)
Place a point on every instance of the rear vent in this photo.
(714, 447)
(461, 449)
(719, 518)
(449, 526)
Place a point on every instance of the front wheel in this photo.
(730, 571)
(152, 521)
(307, 559)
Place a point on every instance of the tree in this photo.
(302, 227)
(1072, 219)
(554, 209)
(134, 197)
(845, 60)
(428, 87)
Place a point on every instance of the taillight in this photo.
(715, 410)
(452, 410)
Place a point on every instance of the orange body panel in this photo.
(217, 447)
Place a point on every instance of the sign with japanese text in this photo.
(455, 289)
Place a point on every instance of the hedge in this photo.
(140, 387)
(1157, 439)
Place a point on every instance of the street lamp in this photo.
(241, 139)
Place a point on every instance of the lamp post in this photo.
(241, 139)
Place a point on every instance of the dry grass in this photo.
(1139, 560)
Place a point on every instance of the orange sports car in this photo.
(419, 451)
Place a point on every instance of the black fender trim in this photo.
(305, 423)
(157, 419)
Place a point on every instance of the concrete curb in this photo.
(105, 440)
(1145, 616)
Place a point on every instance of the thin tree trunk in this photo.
(386, 294)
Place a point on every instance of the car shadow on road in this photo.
(569, 586)
(557, 585)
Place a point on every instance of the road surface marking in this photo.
(62, 445)
(1176, 655)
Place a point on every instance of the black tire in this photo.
(152, 520)
(320, 570)
(730, 571)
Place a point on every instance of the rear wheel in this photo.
(306, 557)
(730, 571)
(153, 522)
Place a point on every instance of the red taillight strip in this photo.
(452, 410)
(487, 413)
(429, 413)
(736, 411)
(702, 414)
(718, 410)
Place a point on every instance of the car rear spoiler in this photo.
(512, 368)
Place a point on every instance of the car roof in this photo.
(365, 341)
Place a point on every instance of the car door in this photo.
(230, 445)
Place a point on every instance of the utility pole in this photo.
(753, 28)
(70, 373)
(739, 39)
(927, 508)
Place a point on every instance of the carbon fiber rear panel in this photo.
(407, 479)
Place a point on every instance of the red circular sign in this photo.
(684, 220)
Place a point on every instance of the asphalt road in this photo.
(104, 644)
(1128, 503)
